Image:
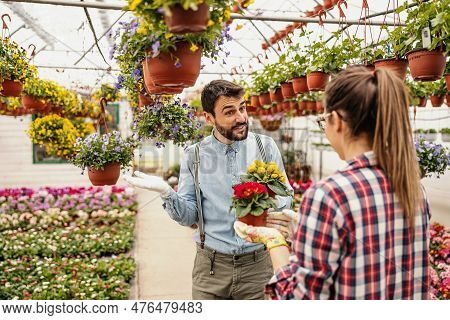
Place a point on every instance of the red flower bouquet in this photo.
(251, 201)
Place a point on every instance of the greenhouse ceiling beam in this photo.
(117, 70)
(235, 16)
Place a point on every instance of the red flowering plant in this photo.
(251, 198)
(439, 262)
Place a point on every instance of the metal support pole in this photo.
(15, 31)
(117, 70)
(235, 16)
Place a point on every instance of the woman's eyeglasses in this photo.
(321, 120)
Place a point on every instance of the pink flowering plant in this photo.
(439, 262)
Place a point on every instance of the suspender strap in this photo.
(261, 147)
(198, 195)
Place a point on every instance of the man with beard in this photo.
(226, 267)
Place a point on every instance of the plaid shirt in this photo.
(353, 241)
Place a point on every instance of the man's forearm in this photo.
(179, 209)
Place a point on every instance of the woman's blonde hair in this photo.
(376, 104)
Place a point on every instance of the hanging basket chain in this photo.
(103, 103)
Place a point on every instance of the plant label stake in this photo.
(426, 37)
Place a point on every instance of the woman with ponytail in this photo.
(362, 232)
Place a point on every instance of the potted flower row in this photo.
(14, 68)
(420, 91)
(12, 106)
(255, 194)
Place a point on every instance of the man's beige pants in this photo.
(218, 276)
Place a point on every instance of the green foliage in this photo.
(167, 120)
(432, 14)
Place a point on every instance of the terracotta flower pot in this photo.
(300, 85)
(437, 101)
(256, 221)
(302, 105)
(108, 176)
(327, 4)
(287, 90)
(447, 81)
(271, 125)
(276, 95)
(264, 99)
(426, 65)
(180, 21)
(399, 66)
(145, 100)
(150, 86)
(33, 104)
(447, 100)
(254, 101)
(317, 80)
(319, 107)
(311, 105)
(293, 105)
(265, 46)
(11, 88)
(273, 39)
(164, 71)
(285, 106)
(422, 102)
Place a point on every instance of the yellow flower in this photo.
(261, 170)
(142, 30)
(210, 23)
(274, 176)
(282, 179)
(227, 14)
(258, 163)
(168, 35)
(134, 4)
(271, 163)
(193, 48)
(252, 168)
(239, 27)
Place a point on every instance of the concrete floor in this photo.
(164, 252)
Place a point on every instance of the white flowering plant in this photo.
(96, 151)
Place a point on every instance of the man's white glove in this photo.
(285, 222)
(145, 181)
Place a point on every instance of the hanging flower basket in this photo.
(293, 105)
(276, 95)
(319, 106)
(318, 8)
(447, 100)
(264, 99)
(437, 100)
(422, 102)
(302, 105)
(399, 66)
(150, 86)
(254, 101)
(311, 106)
(271, 123)
(107, 176)
(447, 81)
(181, 21)
(256, 221)
(178, 68)
(287, 90)
(426, 65)
(317, 80)
(11, 88)
(33, 104)
(300, 85)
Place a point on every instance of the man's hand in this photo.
(145, 181)
(284, 221)
(272, 238)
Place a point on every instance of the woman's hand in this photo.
(271, 237)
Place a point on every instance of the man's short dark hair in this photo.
(213, 90)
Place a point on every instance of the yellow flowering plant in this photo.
(14, 63)
(107, 91)
(58, 135)
(9, 104)
(269, 175)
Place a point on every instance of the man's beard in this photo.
(230, 135)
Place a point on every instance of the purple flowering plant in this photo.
(434, 159)
(98, 150)
(168, 119)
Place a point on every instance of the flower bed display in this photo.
(439, 262)
(66, 243)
